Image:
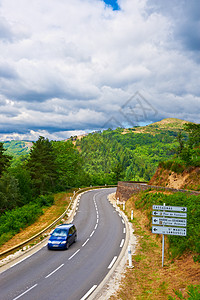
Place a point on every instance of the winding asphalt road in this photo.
(75, 273)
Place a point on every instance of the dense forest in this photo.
(47, 168)
(111, 155)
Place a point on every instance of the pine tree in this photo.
(69, 165)
(4, 159)
(42, 166)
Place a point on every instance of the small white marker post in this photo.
(130, 258)
(131, 214)
(124, 205)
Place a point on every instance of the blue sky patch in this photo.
(112, 3)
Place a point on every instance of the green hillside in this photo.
(120, 154)
(19, 150)
(129, 154)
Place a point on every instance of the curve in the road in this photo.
(75, 273)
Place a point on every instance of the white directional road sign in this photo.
(169, 230)
(171, 208)
(169, 221)
(169, 214)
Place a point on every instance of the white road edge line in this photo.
(21, 260)
(74, 254)
(89, 292)
(54, 271)
(122, 243)
(25, 292)
(122, 221)
(124, 230)
(85, 242)
(112, 262)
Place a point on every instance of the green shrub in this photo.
(12, 221)
(45, 200)
(193, 293)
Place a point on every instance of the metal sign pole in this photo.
(163, 245)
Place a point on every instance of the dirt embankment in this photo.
(189, 179)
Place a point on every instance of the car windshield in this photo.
(59, 232)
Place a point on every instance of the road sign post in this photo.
(163, 246)
(166, 216)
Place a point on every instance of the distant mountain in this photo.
(17, 148)
(163, 125)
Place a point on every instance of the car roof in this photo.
(65, 226)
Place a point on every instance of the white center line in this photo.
(122, 243)
(112, 262)
(54, 271)
(89, 292)
(85, 242)
(73, 254)
(25, 292)
(95, 226)
(92, 233)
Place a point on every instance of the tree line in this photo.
(50, 167)
(187, 153)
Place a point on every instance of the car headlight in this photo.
(64, 242)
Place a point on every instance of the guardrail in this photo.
(9, 251)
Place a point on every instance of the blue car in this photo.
(62, 237)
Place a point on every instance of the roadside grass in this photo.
(148, 280)
(61, 201)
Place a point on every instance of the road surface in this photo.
(74, 273)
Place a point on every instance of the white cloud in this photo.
(32, 135)
(72, 64)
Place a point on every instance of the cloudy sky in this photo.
(69, 67)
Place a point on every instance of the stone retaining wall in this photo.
(125, 189)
